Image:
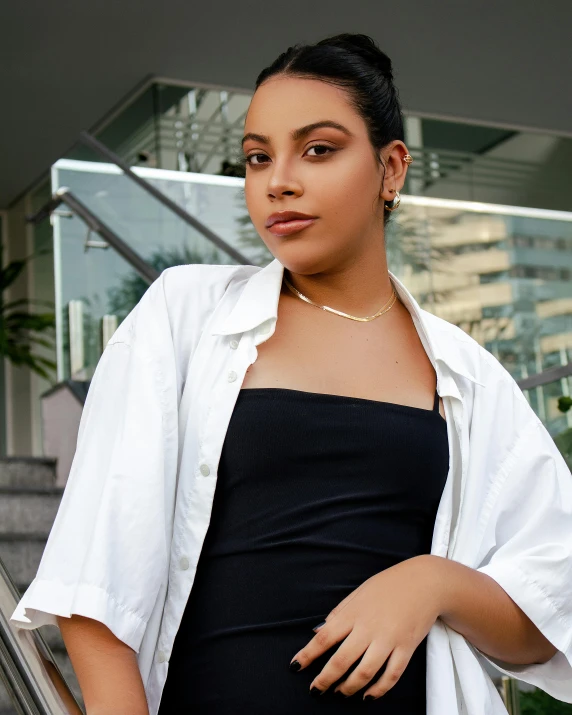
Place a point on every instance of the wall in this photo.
(18, 382)
(23, 387)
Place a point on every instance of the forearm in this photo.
(474, 605)
(106, 668)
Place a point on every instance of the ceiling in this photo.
(64, 64)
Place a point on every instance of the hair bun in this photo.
(365, 47)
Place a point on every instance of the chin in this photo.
(302, 263)
(307, 260)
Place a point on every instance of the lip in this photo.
(286, 228)
(282, 216)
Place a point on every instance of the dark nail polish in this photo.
(315, 628)
(295, 666)
(339, 694)
(369, 698)
(314, 692)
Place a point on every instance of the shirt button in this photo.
(205, 470)
(184, 563)
(161, 657)
(232, 376)
(234, 344)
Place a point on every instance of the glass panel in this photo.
(89, 271)
(154, 230)
(500, 273)
(90, 283)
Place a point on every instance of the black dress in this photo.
(315, 494)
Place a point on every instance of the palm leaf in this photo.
(21, 330)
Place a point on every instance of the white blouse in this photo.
(127, 537)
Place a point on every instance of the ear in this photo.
(392, 156)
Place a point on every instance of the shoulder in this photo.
(464, 351)
(181, 302)
(193, 291)
(202, 279)
(165, 326)
(499, 421)
(496, 405)
(186, 293)
(169, 317)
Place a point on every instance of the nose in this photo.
(281, 182)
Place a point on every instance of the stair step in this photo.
(21, 555)
(28, 511)
(27, 472)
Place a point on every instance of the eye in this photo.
(321, 146)
(249, 161)
(327, 150)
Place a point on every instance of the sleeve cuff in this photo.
(44, 600)
(554, 676)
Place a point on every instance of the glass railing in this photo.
(95, 287)
(28, 669)
(503, 274)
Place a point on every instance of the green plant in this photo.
(537, 702)
(564, 439)
(20, 330)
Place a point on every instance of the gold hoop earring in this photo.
(394, 203)
(408, 159)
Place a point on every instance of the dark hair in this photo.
(355, 63)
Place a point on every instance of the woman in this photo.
(389, 513)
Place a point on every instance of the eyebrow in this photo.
(297, 134)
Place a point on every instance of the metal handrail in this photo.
(27, 665)
(101, 149)
(64, 195)
(545, 377)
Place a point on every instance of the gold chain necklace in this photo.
(381, 311)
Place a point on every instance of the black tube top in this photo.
(315, 493)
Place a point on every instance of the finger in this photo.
(341, 661)
(341, 605)
(396, 664)
(327, 637)
(366, 670)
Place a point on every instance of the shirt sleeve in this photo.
(530, 555)
(106, 556)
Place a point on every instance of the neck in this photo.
(359, 289)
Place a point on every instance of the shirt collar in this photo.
(258, 303)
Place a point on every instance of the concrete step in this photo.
(21, 554)
(27, 472)
(28, 511)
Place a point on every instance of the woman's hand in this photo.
(386, 617)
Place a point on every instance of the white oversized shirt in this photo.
(126, 541)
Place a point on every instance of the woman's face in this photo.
(326, 172)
